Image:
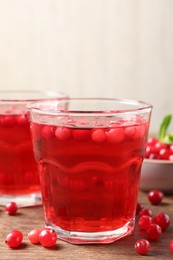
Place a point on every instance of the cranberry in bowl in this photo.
(157, 168)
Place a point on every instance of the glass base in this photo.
(94, 237)
(25, 200)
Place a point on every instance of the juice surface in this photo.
(18, 168)
(90, 175)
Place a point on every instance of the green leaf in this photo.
(168, 139)
(163, 128)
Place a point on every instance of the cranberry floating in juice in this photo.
(19, 178)
(89, 161)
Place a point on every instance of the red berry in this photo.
(22, 120)
(115, 135)
(47, 131)
(163, 220)
(47, 237)
(164, 153)
(158, 146)
(11, 208)
(144, 222)
(14, 238)
(33, 236)
(130, 131)
(171, 148)
(171, 157)
(155, 197)
(154, 231)
(152, 141)
(145, 212)
(171, 245)
(98, 135)
(148, 151)
(142, 246)
(63, 133)
(153, 156)
(139, 207)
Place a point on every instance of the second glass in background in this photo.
(19, 179)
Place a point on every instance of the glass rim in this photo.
(45, 106)
(42, 95)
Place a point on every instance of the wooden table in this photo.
(29, 218)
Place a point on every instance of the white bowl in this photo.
(157, 174)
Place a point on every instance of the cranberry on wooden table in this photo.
(142, 246)
(155, 196)
(47, 237)
(14, 238)
(144, 222)
(11, 208)
(33, 236)
(154, 231)
(163, 220)
(145, 212)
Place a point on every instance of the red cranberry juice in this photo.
(89, 176)
(18, 168)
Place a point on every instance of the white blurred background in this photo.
(98, 48)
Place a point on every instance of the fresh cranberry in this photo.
(115, 135)
(47, 131)
(142, 246)
(22, 120)
(139, 207)
(158, 146)
(33, 236)
(154, 231)
(171, 157)
(47, 237)
(164, 154)
(148, 151)
(11, 208)
(171, 245)
(98, 135)
(130, 131)
(171, 148)
(155, 197)
(14, 238)
(152, 141)
(145, 212)
(63, 133)
(163, 220)
(144, 222)
(153, 156)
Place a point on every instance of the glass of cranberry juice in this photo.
(89, 157)
(19, 179)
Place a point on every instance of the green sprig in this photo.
(163, 136)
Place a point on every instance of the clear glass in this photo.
(19, 178)
(89, 155)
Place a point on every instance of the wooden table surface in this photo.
(29, 218)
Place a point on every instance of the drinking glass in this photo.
(19, 179)
(89, 155)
